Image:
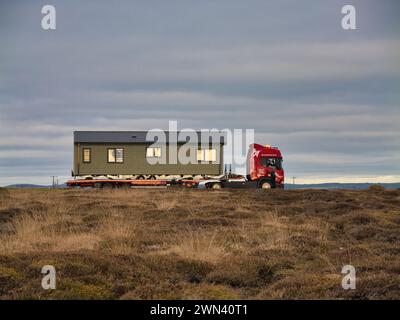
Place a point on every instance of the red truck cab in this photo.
(264, 164)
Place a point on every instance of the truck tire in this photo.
(265, 184)
(216, 186)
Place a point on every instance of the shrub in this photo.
(376, 188)
(244, 271)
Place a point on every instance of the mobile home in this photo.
(131, 154)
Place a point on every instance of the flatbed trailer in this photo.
(128, 183)
(217, 183)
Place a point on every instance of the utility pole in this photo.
(54, 181)
(294, 179)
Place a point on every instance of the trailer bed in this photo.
(124, 183)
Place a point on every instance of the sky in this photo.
(329, 98)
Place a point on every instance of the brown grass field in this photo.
(199, 244)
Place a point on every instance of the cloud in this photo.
(328, 98)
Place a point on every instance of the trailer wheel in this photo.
(216, 186)
(265, 184)
(108, 186)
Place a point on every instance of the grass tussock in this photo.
(198, 245)
(193, 244)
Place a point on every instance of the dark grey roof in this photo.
(131, 136)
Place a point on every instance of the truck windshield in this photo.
(275, 163)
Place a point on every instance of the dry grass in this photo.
(179, 244)
(198, 245)
(165, 203)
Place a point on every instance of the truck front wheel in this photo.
(216, 186)
(265, 184)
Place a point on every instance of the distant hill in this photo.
(27, 185)
(334, 185)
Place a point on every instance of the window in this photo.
(111, 155)
(115, 155)
(207, 155)
(200, 155)
(210, 155)
(87, 155)
(275, 163)
(119, 155)
(153, 152)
